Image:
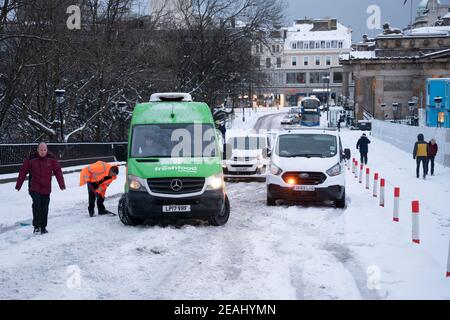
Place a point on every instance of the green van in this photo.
(174, 166)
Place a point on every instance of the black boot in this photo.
(44, 231)
(36, 230)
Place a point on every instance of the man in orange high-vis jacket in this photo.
(98, 176)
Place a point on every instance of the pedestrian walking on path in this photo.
(363, 146)
(420, 154)
(432, 152)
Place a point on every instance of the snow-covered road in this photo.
(262, 253)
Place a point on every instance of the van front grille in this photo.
(175, 186)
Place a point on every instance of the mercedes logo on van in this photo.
(176, 185)
(304, 176)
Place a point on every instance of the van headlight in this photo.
(136, 183)
(275, 170)
(214, 182)
(335, 170)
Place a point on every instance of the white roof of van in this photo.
(164, 96)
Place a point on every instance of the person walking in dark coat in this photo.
(40, 168)
(363, 146)
(420, 154)
(432, 152)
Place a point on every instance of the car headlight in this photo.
(275, 170)
(335, 170)
(214, 182)
(136, 183)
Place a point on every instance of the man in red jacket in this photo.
(40, 167)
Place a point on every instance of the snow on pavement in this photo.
(262, 253)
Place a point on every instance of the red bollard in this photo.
(448, 261)
(361, 169)
(367, 178)
(375, 185)
(396, 204)
(353, 165)
(415, 222)
(382, 188)
(356, 169)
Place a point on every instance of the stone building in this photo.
(393, 68)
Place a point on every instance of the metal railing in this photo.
(68, 154)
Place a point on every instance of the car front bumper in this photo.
(330, 193)
(145, 206)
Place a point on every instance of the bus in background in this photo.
(310, 112)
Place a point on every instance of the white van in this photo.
(249, 156)
(307, 165)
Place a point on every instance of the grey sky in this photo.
(352, 13)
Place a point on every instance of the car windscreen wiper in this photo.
(307, 155)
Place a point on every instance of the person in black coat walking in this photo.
(363, 146)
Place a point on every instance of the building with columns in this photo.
(393, 68)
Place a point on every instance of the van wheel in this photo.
(124, 215)
(271, 201)
(340, 203)
(222, 218)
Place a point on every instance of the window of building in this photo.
(306, 45)
(317, 77)
(295, 77)
(317, 61)
(305, 61)
(257, 49)
(277, 48)
(328, 44)
(293, 61)
(334, 44)
(312, 44)
(257, 62)
(299, 44)
(268, 63)
(337, 77)
(273, 48)
(261, 48)
(278, 62)
(294, 45)
(340, 44)
(317, 45)
(322, 44)
(328, 61)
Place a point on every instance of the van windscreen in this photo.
(174, 141)
(306, 145)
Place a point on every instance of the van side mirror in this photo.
(266, 153)
(347, 154)
(120, 153)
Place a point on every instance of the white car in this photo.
(249, 157)
(307, 165)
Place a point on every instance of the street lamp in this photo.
(395, 106)
(438, 102)
(242, 105)
(59, 103)
(122, 106)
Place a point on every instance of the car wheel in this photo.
(340, 203)
(221, 218)
(271, 201)
(124, 215)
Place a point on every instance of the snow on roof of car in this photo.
(318, 130)
(171, 96)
